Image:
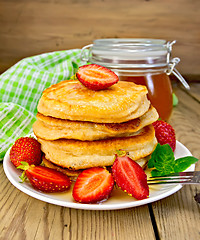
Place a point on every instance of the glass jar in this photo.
(142, 61)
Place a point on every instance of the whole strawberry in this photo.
(165, 133)
(26, 149)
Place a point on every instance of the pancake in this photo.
(73, 174)
(50, 128)
(71, 100)
(75, 154)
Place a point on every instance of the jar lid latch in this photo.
(172, 63)
(176, 73)
(84, 53)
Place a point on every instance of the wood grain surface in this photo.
(178, 216)
(30, 27)
(175, 217)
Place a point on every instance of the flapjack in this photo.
(50, 128)
(73, 101)
(75, 154)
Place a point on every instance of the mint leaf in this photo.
(174, 99)
(151, 162)
(155, 173)
(162, 157)
(163, 161)
(183, 163)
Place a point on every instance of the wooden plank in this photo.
(185, 120)
(26, 218)
(178, 216)
(36, 27)
(194, 91)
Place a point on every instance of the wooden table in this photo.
(175, 217)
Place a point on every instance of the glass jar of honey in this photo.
(142, 61)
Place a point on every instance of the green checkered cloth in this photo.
(21, 87)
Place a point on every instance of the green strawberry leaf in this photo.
(23, 166)
(23, 177)
(121, 153)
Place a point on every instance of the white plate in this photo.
(117, 200)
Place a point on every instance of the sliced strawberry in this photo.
(26, 149)
(130, 177)
(165, 133)
(96, 77)
(46, 179)
(93, 185)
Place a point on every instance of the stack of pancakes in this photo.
(80, 128)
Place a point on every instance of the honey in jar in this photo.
(142, 61)
(156, 84)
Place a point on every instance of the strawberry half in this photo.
(93, 185)
(96, 77)
(45, 179)
(26, 149)
(130, 176)
(165, 133)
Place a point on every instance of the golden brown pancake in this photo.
(75, 154)
(71, 100)
(73, 174)
(50, 128)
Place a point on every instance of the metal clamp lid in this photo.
(172, 63)
(85, 56)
